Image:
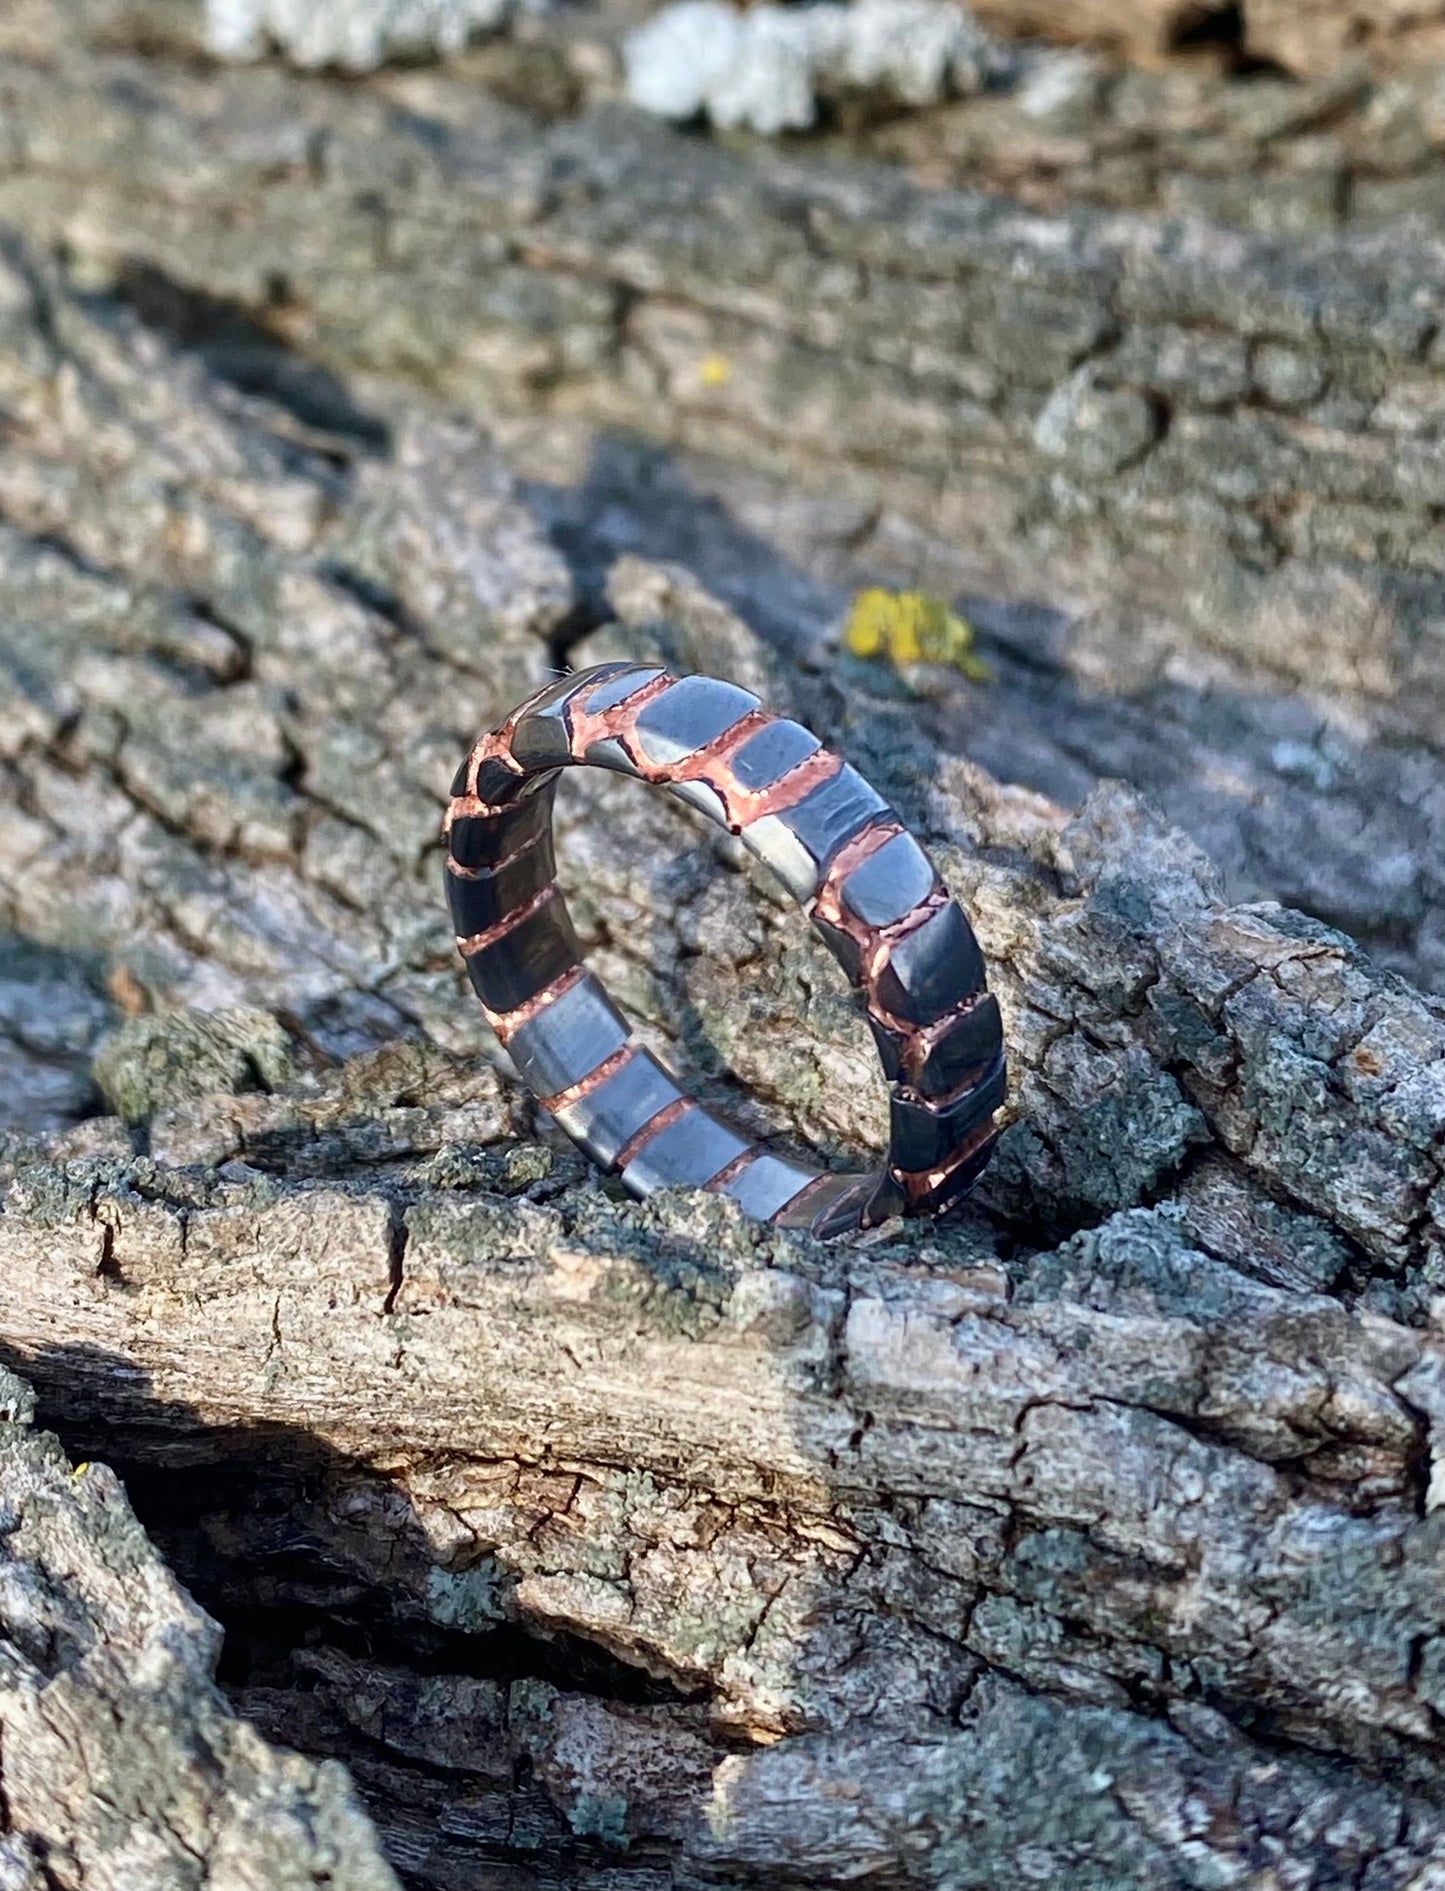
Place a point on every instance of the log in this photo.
(950, 1554)
(1249, 424)
(1189, 472)
(1093, 1536)
(121, 1763)
(1093, 1533)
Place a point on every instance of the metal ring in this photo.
(837, 847)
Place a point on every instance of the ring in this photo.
(837, 847)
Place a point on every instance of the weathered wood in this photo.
(853, 1497)
(121, 1764)
(1173, 1472)
(1209, 459)
(1057, 394)
(1093, 1538)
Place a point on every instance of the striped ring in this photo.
(839, 849)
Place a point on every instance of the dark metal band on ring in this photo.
(838, 848)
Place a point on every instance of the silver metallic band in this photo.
(839, 849)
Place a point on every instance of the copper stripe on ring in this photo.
(874, 943)
(801, 1202)
(506, 1024)
(827, 902)
(710, 764)
(475, 942)
(460, 872)
(730, 1171)
(586, 727)
(975, 1076)
(594, 1080)
(918, 1184)
(496, 746)
(660, 1120)
(921, 1040)
(746, 805)
(800, 1209)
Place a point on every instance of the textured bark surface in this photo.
(1092, 1538)
(1268, 154)
(121, 1764)
(1092, 1534)
(1177, 471)
(965, 1555)
(1236, 429)
(1210, 460)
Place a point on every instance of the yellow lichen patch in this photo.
(715, 371)
(912, 627)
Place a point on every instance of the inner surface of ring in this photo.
(839, 849)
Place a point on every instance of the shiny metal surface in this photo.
(834, 812)
(767, 1185)
(611, 1115)
(831, 840)
(531, 955)
(483, 899)
(889, 883)
(773, 842)
(934, 968)
(697, 794)
(567, 1039)
(541, 738)
(923, 1135)
(609, 753)
(690, 1152)
(688, 716)
(624, 682)
(772, 753)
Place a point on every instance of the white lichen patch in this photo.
(765, 69)
(357, 35)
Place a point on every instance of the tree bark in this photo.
(1186, 478)
(121, 1763)
(948, 1555)
(1091, 1537)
